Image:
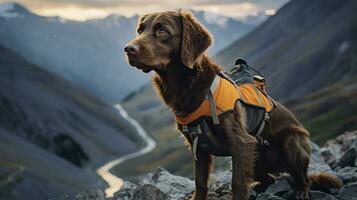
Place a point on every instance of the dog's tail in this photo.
(324, 182)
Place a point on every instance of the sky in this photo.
(90, 9)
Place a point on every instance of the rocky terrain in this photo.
(338, 156)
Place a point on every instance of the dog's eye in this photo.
(161, 32)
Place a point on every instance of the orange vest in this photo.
(225, 96)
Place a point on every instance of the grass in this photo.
(328, 112)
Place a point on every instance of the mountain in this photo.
(53, 134)
(304, 47)
(328, 111)
(224, 29)
(90, 53)
(307, 53)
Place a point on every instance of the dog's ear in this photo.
(195, 39)
(141, 18)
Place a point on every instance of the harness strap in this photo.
(212, 106)
(261, 140)
(194, 147)
(214, 140)
(214, 84)
(194, 135)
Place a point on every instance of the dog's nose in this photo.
(131, 49)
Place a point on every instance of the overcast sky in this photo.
(88, 9)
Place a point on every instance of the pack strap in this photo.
(194, 135)
(260, 139)
(212, 106)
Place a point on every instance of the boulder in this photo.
(149, 192)
(126, 192)
(281, 185)
(348, 174)
(348, 192)
(266, 196)
(314, 195)
(91, 194)
(175, 187)
(342, 151)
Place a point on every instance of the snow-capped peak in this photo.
(7, 10)
(213, 18)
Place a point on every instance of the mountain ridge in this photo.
(88, 53)
(53, 134)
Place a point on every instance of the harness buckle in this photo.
(193, 133)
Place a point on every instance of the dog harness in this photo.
(202, 125)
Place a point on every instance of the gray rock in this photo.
(319, 167)
(316, 156)
(149, 192)
(348, 174)
(317, 163)
(266, 196)
(220, 180)
(314, 195)
(317, 195)
(126, 192)
(349, 157)
(175, 187)
(348, 192)
(342, 151)
(281, 185)
(91, 194)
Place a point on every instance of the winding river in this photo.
(114, 182)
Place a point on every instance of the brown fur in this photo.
(324, 182)
(173, 44)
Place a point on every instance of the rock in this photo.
(314, 195)
(317, 162)
(175, 187)
(266, 196)
(349, 157)
(220, 181)
(342, 151)
(317, 195)
(281, 185)
(91, 194)
(161, 185)
(149, 192)
(348, 192)
(348, 174)
(126, 192)
(319, 167)
(316, 156)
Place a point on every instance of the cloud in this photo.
(111, 3)
(84, 9)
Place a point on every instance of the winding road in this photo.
(114, 182)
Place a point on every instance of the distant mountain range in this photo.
(308, 55)
(53, 134)
(90, 53)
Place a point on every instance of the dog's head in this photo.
(167, 38)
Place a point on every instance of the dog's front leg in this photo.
(202, 169)
(242, 148)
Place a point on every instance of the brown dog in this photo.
(173, 44)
